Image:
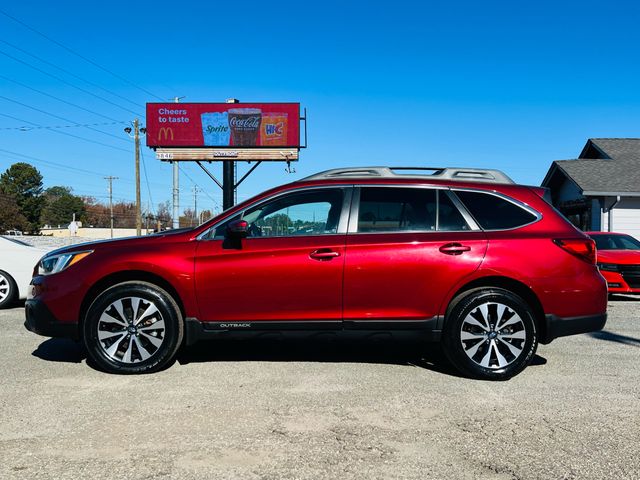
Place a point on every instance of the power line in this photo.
(57, 98)
(203, 190)
(46, 162)
(26, 128)
(69, 73)
(22, 157)
(79, 55)
(66, 120)
(69, 134)
(65, 82)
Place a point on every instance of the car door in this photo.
(406, 248)
(288, 269)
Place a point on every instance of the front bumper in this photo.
(617, 283)
(565, 326)
(41, 321)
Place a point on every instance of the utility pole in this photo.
(110, 180)
(195, 204)
(136, 139)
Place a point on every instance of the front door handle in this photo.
(454, 249)
(324, 254)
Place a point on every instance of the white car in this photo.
(17, 260)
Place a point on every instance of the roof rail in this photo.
(450, 173)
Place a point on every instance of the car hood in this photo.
(619, 256)
(125, 242)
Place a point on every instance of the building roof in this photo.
(606, 166)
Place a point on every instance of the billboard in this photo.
(223, 125)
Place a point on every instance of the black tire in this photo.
(8, 290)
(133, 327)
(490, 334)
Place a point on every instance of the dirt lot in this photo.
(322, 410)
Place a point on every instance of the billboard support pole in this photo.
(228, 184)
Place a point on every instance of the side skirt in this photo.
(427, 329)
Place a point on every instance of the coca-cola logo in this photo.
(249, 123)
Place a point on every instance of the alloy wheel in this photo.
(493, 335)
(131, 330)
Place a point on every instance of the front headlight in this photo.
(56, 263)
(608, 267)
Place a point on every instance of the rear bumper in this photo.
(565, 326)
(40, 320)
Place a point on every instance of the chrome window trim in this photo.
(517, 203)
(342, 224)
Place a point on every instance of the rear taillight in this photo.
(583, 248)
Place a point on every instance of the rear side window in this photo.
(494, 213)
(394, 209)
(449, 219)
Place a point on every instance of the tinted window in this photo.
(396, 209)
(616, 242)
(494, 213)
(449, 217)
(315, 212)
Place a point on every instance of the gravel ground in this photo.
(51, 243)
(322, 410)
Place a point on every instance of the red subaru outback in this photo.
(460, 256)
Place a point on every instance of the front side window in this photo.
(315, 212)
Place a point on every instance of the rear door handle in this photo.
(324, 254)
(454, 249)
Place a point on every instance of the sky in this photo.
(493, 84)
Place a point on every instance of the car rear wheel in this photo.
(8, 289)
(133, 327)
(490, 334)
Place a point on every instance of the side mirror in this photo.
(237, 229)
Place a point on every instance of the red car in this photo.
(460, 256)
(618, 260)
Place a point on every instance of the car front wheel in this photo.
(133, 327)
(490, 334)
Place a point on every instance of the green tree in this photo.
(23, 182)
(10, 216)
(188, 218)
(164, 214)
(60, 205)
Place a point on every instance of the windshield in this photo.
(616, 242)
